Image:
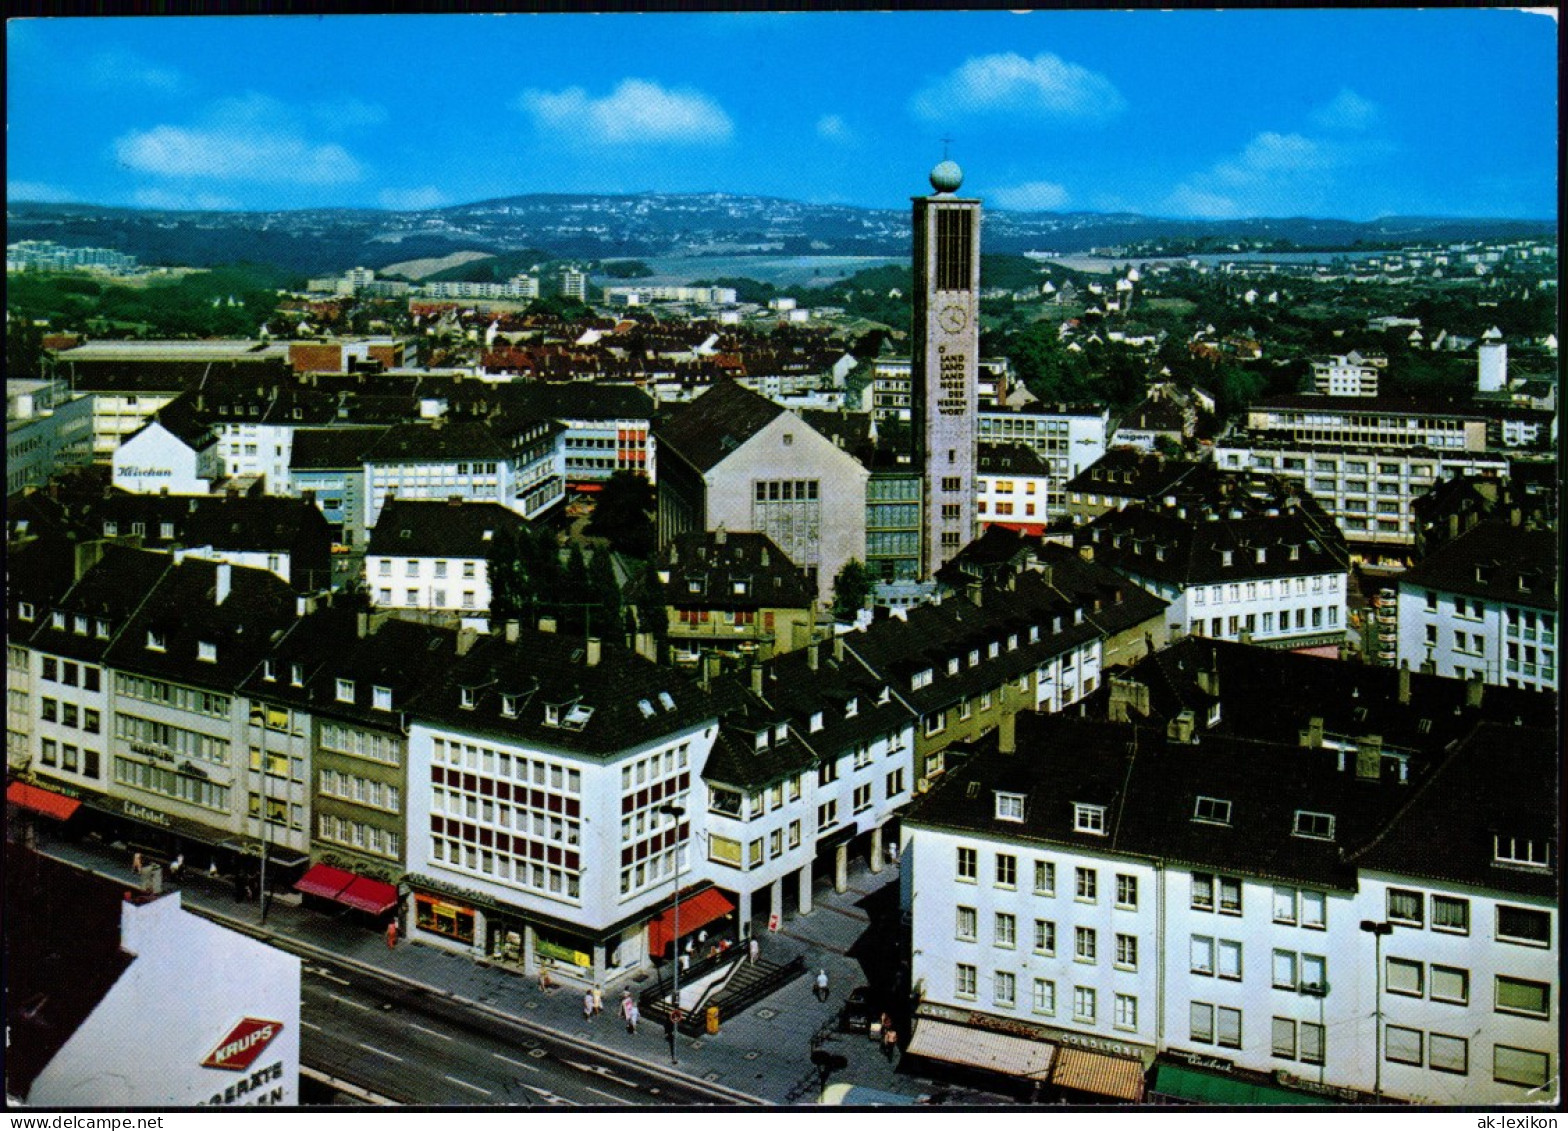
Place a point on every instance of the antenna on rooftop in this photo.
(946, 141)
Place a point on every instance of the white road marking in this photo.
(320, 973)
(606, 1095)
(517, 1063)
(380, 1052)
(466, 1084)
(354, 1004)
(308, 1025)
(431, 1032)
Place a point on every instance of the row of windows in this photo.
(1249, 622)
(160, 739)
(70, 673)
(537, 823)
(1004, 994)
(411, 568)
(66, 756)
(365, 791)
(376, 747)
(726, 850)
(172, 695)
(183, 787)
(503, 865)
(1252, 590)
(504, 764)
(69, 714)
(357, 834)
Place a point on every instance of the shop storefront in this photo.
(448, 920)
(374, 898)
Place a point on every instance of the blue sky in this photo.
(1344, 113)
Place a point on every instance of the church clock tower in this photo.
(946, 361)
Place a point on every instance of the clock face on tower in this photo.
(952, 318)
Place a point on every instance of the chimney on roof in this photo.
(720, 536)
(514, 630)
(1312, 737)
(1086, 552)
(1007, 732)
(1369, 758)
(1404, 681)
(1125, 694)
(465, 640)
(644, 645)
(709, 669)
(1182, 728)
(1474, 689)
(546, 624)
(86, 556)
(756, 679)
(1209, 679)
(838, 648)
(595, 651)
(222, 582)
(811, 655)
(976, 593)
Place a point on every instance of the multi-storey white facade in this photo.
(1367, 492)
(1067, 441)
(1347, 376)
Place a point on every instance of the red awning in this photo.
(696, 912)
(1032, 529)
(365, 894)
(41, 800)
(324, 880)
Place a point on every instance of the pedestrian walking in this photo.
(889, 1041)
(136, 863)
(822, 985)
(587, 1005)
(598, 1001)
(626, 1009)
(392, 935)
(753, 950)
(544, 979)
(175, 865)
(633, 1015)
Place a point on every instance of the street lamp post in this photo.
(675, 812)
(1377, 929)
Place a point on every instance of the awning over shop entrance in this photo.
(41, 800)
(1113, 1076)
(981, 1048)
(696, 912)
(358, 892)
(1192, 1085)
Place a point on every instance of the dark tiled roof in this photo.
(184, 612)
(110, 591)
(1362, 406)
(582, 400)
(328, 449)
(1011, 459)
(706, 430)
(1149, 788)
(848, 431)
(1130, 473)
(130, 375)
(1495, 562)
(414, 443)
(705, 570)
(1501, 781)
(1155, 416)
(1271, 695)
(180, 418)
(544, 670)
(414, 528)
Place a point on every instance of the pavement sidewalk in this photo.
(764, 1052)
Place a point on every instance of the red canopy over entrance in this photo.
(358, 892)
(696, 912)
(41, 800)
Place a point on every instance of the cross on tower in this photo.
(945, 142)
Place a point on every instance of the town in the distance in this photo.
(1114, 677)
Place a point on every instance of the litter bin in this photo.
(713, 1019)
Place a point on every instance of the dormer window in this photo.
(345, 691)
(156, 641)
(1089, 818)
(1225, 557)
(666, 700)
(993, 651)
(974, 657)
(1295, 553)
(79, 625)
(1078, 616)
(296, 675)
(269, 671)
(694, 587)
(57, 620)
(101, 629)
(207, 651)
(920, 679)
(781, 732)
(1211, 811)
(739, 588)
(852, 708)
(465, 700)
(1262, 555)
(1034, 634)
(645, 708)
(1313, 826)
(952, 666)
(166, 531)
(761, 741)
(381, 698)
(1521, 852)
(25, 610)
(1009, 806)
(110, 528)
(509, 706)
(816, 721)
(1012, 642)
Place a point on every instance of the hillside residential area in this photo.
(1149, 655)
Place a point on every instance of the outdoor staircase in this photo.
(746, 984)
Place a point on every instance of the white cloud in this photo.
(182, 201)
(1185, 200)
(241, 152)
(1346, 111)
(1045, 87)
(411, 199)
(124, 70)
(1275, 174)
(1031, 196)
(831, 127)
(38, 192)
(637, 111)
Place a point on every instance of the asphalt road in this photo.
(414, 1047)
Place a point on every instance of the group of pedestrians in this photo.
(593, 1003)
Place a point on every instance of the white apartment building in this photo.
(1013, 487)
(1096, 891)
(178, 457)
(468, 461)
(1367, 491)
(433, 556)
(1484, 606)
(1066, 440)
(551, 804)
(1347, 375)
